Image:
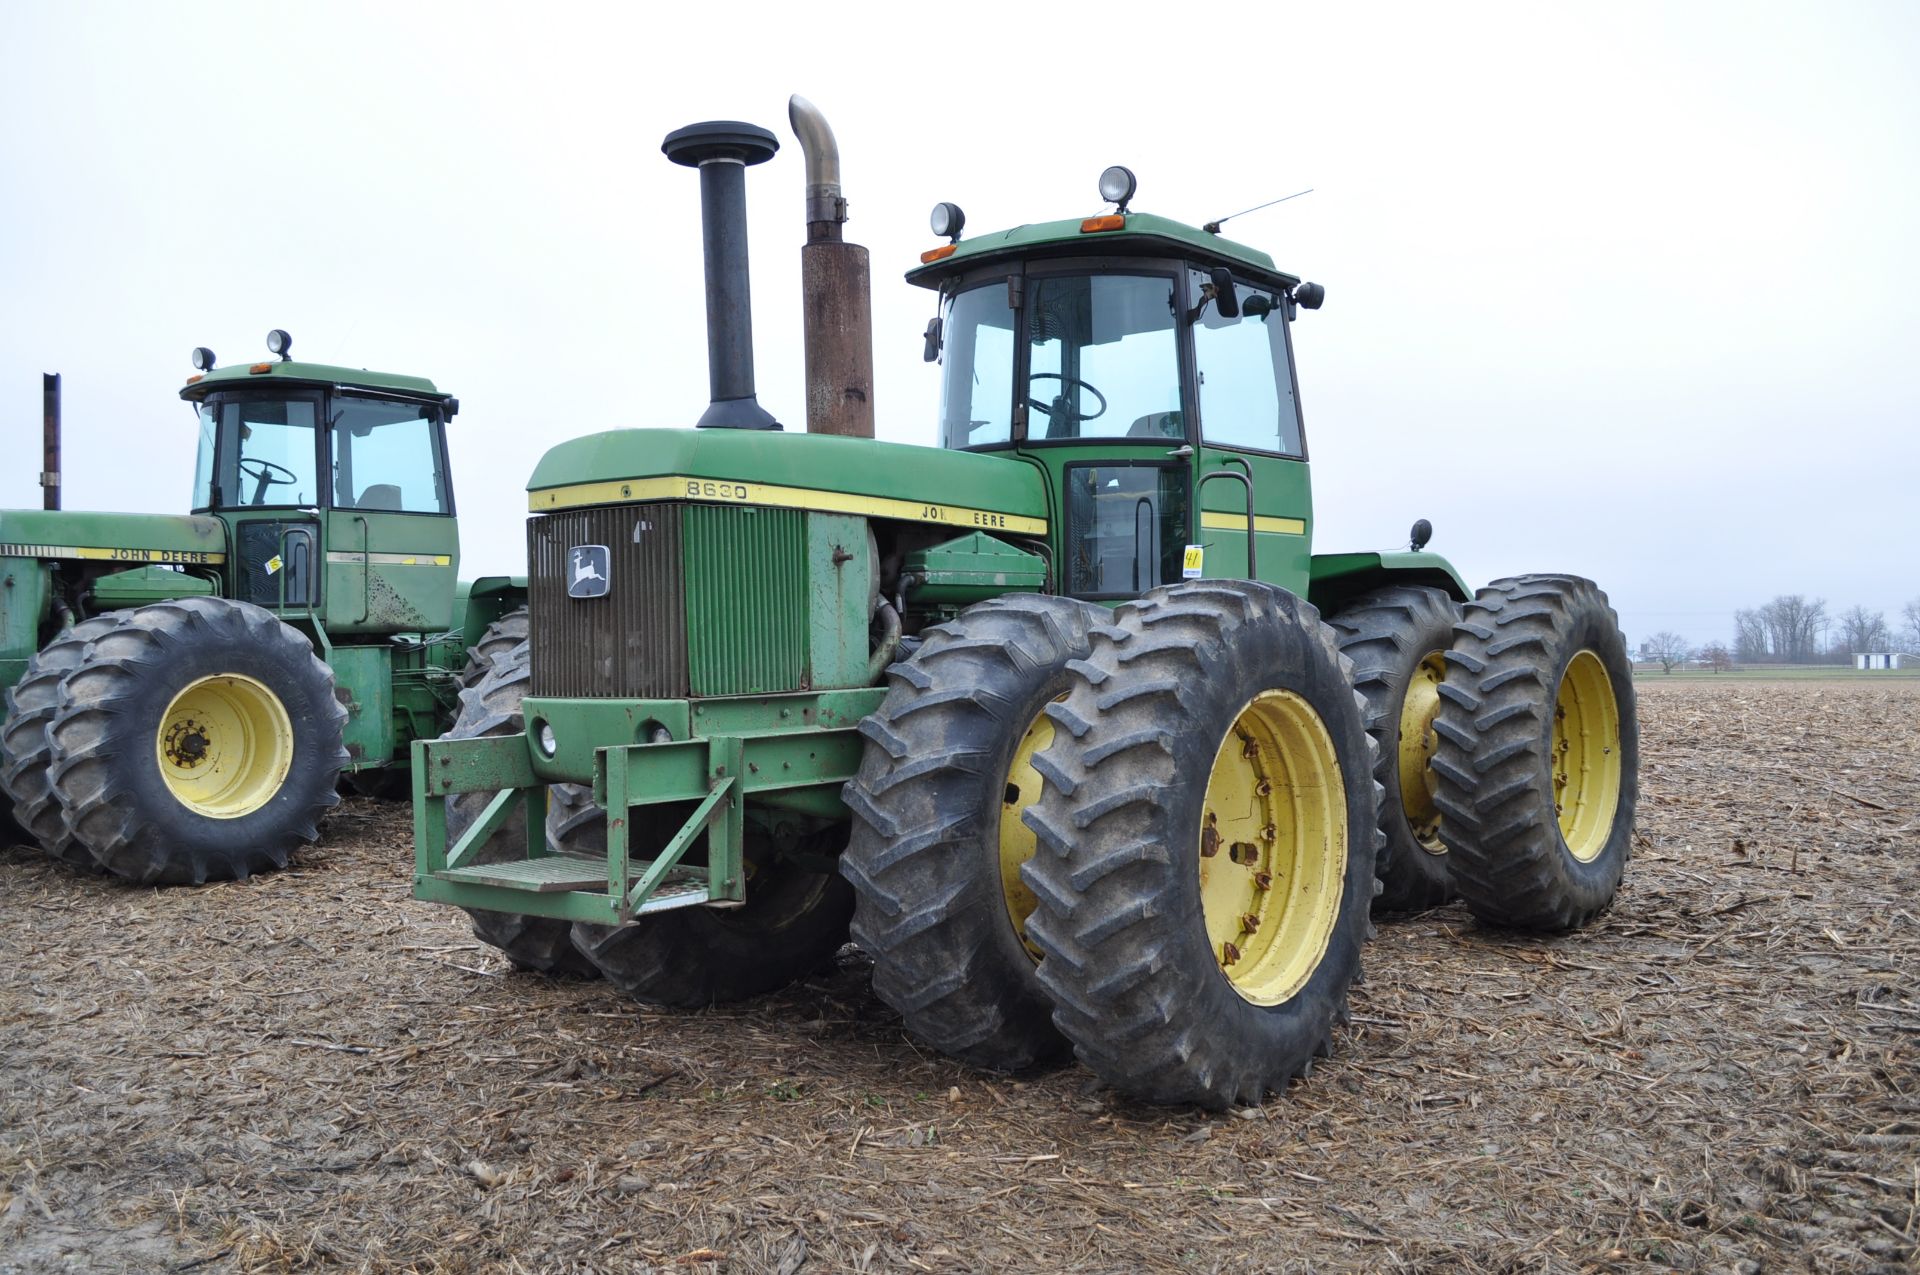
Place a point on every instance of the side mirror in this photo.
(932, 353)
(1226, 302)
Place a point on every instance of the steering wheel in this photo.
(1066, 381)
(262, 473)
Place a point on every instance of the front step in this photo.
(550, 875)
(556, 874)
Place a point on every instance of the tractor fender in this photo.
(477, 603)
(1335, 578)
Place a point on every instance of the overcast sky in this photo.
(1625, 290)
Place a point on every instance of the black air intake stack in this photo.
(722, 150)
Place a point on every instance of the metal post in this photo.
(50, 434)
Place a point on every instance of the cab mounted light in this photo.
(202, 359)
(932, 255)
(1117, 186)
(1309, 295)
(278, 342)
(948, 221)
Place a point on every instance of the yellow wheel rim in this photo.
(1418, 708)
(1273, 848)
(225, 745)
(1586, 757)
(1022, 789)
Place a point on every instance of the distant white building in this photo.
(1881, 659)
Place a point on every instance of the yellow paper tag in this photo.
(1194, 563)
(274, 564)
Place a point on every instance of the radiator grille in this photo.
(747, 609)
(633, 641)
(702, 600)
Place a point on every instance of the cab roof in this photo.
(307, 375)
(1143, 234)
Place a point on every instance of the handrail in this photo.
(305, 532)
(1147, 502)
(366, 567)
(1245, 480)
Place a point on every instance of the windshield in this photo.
(1103, 361)
(1103, 358)
(257, 451)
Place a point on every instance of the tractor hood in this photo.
(794, 471)
(128, 538)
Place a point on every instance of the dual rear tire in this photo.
(1191, 941)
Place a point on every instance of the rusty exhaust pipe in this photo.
(50, 440)
(835, 291)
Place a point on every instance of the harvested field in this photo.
(312, 1071)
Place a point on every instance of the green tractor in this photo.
(1063, 721)
(185, 692)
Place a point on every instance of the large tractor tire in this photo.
(1207, 838)
(496, 643)
(1397, 638)
(938, 842)
(492, 708)
(793, 922)
(1539, 757)
(199, 740)
(26, 754)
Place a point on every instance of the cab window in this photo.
(386, 457)
(1103, 358)
(976, 375)
(1126, 528)
(1246, 383)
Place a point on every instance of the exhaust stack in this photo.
(50, 440)
(835, 291)
(723, 150)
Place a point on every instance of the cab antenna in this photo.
(1213, 227)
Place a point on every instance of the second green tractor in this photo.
(183, 692)
(1063, 722)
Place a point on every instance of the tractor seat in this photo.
(380, 496)
(1159, 425)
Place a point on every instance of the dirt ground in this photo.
(312, 1071)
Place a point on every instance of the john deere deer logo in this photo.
(587, 571)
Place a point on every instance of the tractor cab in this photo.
(1147, 366)
(334, 487)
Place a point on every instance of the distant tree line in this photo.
(1793, 629)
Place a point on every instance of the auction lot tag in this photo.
(274, 564)
(1195, 562)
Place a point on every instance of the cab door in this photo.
(393, 548)
(266, 485)
(1247, 402)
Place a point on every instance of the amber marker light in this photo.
(1092, 224)
(197, 376)
(932, 255)
(258, 368)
